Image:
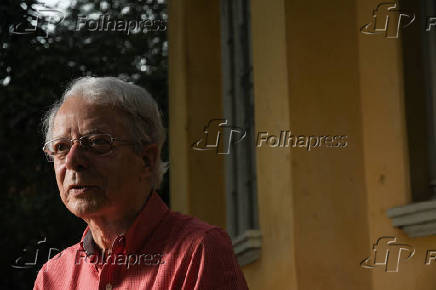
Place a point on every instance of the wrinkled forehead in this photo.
(78, 117)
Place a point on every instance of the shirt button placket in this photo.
(109, 268)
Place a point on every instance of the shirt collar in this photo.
(147, 220)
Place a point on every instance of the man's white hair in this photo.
(143, 112)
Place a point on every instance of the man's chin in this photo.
(84, 208)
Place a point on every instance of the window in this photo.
(419, 54)
(242, 221)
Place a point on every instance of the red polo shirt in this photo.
(161, 250)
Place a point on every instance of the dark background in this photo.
(35, 68)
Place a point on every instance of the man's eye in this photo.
(99, 141)
(61, 147)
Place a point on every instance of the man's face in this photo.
(109, 185)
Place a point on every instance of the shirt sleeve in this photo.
(214, 265)
(39, 282)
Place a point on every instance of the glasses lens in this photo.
(99, 143)
(59, 147)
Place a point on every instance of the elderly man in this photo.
(104, 138)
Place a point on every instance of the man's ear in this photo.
(150, 156)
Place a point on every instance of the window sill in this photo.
(247, 247)
(416, 219)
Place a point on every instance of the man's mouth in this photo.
(79, 189)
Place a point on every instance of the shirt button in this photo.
(108, 286)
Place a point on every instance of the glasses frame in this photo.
(51, 157)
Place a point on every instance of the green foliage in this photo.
(34, 71)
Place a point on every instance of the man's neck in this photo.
(105, 228)
(104, 232)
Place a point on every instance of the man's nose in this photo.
(76, 158)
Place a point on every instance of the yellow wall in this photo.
(196, 180)
(276, 266)
(315, 74)
(386, 157)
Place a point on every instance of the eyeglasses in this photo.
(96, 143)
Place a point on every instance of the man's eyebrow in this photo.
(87, 132)
(95, 131)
